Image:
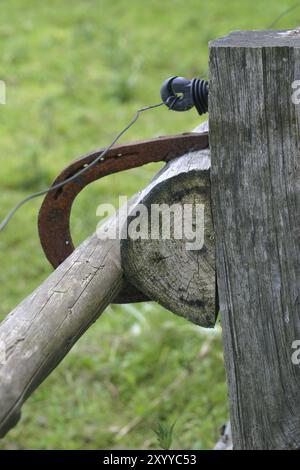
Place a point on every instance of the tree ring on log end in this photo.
(163, 268)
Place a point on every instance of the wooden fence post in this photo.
(254, 140)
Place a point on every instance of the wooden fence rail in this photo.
(40, 331)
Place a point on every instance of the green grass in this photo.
(75, 74)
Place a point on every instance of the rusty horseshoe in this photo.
(54, 215)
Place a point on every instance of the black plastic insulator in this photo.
(200, 95)
(181, 94)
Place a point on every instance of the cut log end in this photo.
(178, 273)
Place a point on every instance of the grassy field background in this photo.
(75, 73)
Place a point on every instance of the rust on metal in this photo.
(54, 215)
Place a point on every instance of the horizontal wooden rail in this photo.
(40, 331)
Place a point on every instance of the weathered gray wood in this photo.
(44, 327)
(179, 278)
(225, 441)
(254, 141)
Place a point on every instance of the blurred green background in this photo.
(75, 72)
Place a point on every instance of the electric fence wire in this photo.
(283, 14)
(115, 140)
(83, 170)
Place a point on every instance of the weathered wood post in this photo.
(254, 141)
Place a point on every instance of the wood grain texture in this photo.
(44, 327)
(254, 141)
(179, 278)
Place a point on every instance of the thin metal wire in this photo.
(175, 99)
(283, 14)
(80, 172)
(139, 111)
